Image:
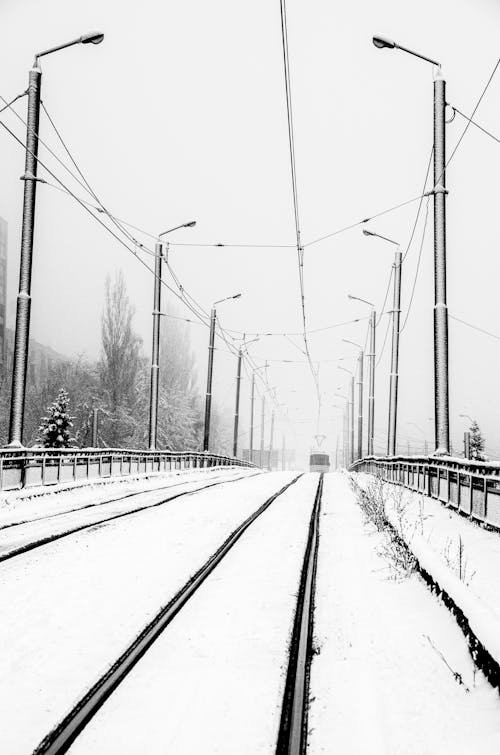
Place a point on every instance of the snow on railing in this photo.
(470, 487)
(26, 467)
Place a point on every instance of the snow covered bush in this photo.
(55, 428)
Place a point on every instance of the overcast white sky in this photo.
(180, 115)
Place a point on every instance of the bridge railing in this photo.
(28, 467)
(470, 487)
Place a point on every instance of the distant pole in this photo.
(467, 445)
(271, 440)
(262, 418)
(283, 451)
(237, 407)
(252, 401)
(208, 399)
(441, 390)
(371, 385)
(360, 405)
(23, 311)
(394, 375)
(408, 447)
(426, 448)
(351, 422)
(95, 413)
(155, 351)
(345, 444)
(337, 453)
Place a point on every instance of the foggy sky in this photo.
(180, 115)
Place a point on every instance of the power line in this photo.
(385, 341)
(475, 327)
(417, 268)
(474, 123)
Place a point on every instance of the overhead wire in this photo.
(417, 270)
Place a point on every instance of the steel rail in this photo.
(292, 736)
(58, 536)
(64, 734)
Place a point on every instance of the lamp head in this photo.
(366, 232)
(191, 224)
(381, 42)
(93, 38)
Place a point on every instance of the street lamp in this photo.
(237, 405)
(351, 413)
(155, 351)
(441, 384)
(345, 434)
(360, 394)
(211, 347)
(396, 316)
(23, 310)
(371, 379)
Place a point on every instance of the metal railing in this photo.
(470, 487)
(28, 467)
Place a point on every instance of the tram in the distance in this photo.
(319, 462)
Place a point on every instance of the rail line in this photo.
(63, 735)
(292, 736)
(26, 547)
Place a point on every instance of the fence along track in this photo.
(60, 739)
(52, 538)
(292, 736)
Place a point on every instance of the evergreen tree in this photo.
(55, 428)
(476, 442)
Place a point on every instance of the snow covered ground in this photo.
(462, 556)
(213, 682)
(86, 510)
(380, 684)
(69, 609)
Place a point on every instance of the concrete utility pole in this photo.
(211, 347)
(271, 439)
(237, 407)
(252, 401)
(351, 421)
(360, 404)
(467, 444)
(262, 421)
(371, 384)
(394, 376)
(208, 398)
(23, 309)
(283, 453)
(155, 351)
(441, 389)
(441, 382)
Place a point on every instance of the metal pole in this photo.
(371, 385)
(155, 350)
(271, 439)
(283, 451)
(252, 401)
(351, 421)
(337, 453)
(360, 405)
(441, 391)
(237, 408)
(262, 430)
(394, 375)
(208, 400)
(23, 311)
(345, 445)
(467, 445)
(95, 441)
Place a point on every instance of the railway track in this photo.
(32, 545)
(292, 737)
(59, 740)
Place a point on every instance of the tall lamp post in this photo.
(396, 316)
(441, 383)
(351, 412)
(155, 350)
(360, 395)
(371, 378)
(23, 310)
(345, 443)
(211, 347)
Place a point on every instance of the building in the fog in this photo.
(3, 290)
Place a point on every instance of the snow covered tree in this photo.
(55, 428)
(476, 442)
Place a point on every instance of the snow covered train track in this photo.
(292, 738)
(61, 738)
(21, 537)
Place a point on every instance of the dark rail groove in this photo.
(292, 736)
(52, 538)
(60, 739)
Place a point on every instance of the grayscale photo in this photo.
(249, 367)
